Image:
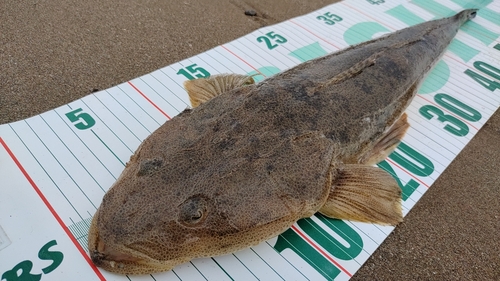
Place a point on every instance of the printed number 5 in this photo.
(86, 121)
(277, 38)
(198, 71)
(329, 18)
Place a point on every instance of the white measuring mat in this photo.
(55, 167)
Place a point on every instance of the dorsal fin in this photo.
(204, 89)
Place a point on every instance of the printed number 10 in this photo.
(197, 71)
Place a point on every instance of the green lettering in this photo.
(291, 240)
(408, 188)
(55, 256)
(24, 275)
(487, 69)
(412, 160)
(331, 244)
(459, 128)
(483, 81)
(457, 107)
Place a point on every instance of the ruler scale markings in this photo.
(159, 100)
(326, 32)
(133, 109)
(65, 171)
(311, 242)
(226, 54)
(222, 60)
(142, 103)
(71, 152)
(275, 57)
(51, 151)
(435, 129)
(91, 140)
(171, 85)
(319, 37)
(149, 100)
(51, 209)
(210, 269)
(276, 261)
(249, 55)
(231, 52)
(162, 116)
(305, 38)
(47, 174)
(125, 117)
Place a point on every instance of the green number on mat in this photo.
(84, 120)
(487, 69)
(375, 2)
(459, 128)
(197, 71)
(483, 81)
(267, 39)
(329, 18)
(408, 188)
(458, 107)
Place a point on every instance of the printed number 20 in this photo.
(84, 120)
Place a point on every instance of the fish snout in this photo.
(111, 259)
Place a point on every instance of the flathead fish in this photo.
(250, 159)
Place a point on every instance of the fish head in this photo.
(140, 228)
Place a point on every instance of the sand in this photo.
(53, 52)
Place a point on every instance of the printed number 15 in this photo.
(198, 71)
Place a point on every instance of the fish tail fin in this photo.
(366, 194)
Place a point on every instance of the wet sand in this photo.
(53, 52)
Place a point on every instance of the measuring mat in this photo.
(55, 167)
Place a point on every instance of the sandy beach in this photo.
(54, 52)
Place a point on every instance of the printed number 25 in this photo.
(329, 18)
(270, 35)
(84, 120)
(197, 71)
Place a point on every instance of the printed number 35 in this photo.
(329, 18)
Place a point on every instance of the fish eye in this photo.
(193, 210)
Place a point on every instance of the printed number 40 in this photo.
(329, 18)
(84, 120)
(270, 35)
(197, 71)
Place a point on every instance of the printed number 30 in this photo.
(85, 120)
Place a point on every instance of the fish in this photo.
(250, 159)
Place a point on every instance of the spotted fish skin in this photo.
(243, 166)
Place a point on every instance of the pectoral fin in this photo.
(204, 89)
(366, 194)
(386, 145)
